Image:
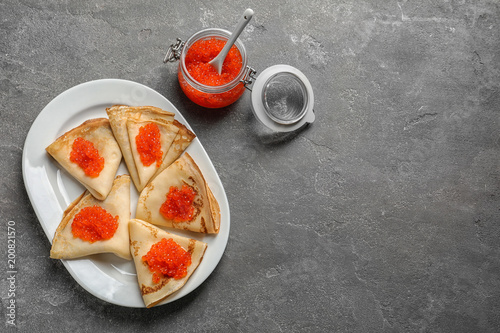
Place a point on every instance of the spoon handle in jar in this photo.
(245, 18)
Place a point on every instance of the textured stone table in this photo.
(383, 216)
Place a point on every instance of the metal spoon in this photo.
(219, 59)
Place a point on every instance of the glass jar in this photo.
(282, 97)
(205, 95)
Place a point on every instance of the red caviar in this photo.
(87, 157)
(167, 259)
(197, 65)
(179, 204)
(149, 145)
(198, 58)
(94, 223)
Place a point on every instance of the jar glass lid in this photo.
(282, 98)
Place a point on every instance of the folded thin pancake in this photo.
(142, 237)
(121, 115)
(118, 116)
(98, 132)
(168, 132)
(181, 142)
(67, 246)
(184, 171)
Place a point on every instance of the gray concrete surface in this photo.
(383, 216)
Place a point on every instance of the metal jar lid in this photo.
(282, 98)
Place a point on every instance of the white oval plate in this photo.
(51, 189)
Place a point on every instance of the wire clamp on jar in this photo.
(249, 77)
(174, 51)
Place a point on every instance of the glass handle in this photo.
(174, 51)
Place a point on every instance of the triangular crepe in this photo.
(118, 117)
(98, 132)
(168, 132)
(66, 246)
(121, 115)
(142, 237)
(184, 171)
(181, 142)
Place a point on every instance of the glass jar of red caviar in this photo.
(203, 85)
(281, 97)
